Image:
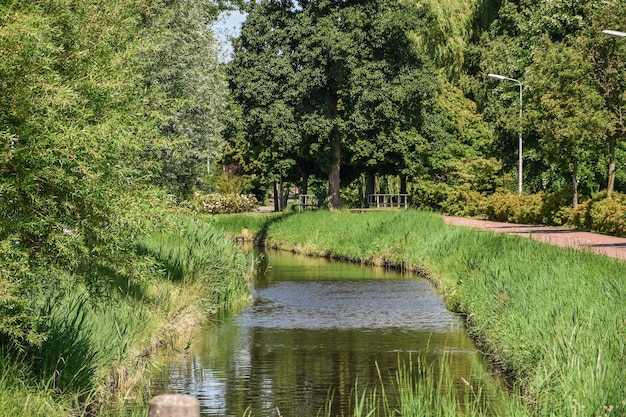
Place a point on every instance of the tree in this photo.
(337, 72)
(608, 58)
(76, 122)
(185, 66)
(566, 108)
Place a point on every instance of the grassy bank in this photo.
(97, 339)
(553, 318)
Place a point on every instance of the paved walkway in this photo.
(593, 242)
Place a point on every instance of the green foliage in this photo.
(80, 118)
(567, 110)
(320, 79)
(460, 201)
(603, 215)
(185, 65)
(221, 203)
(75, 128)
(230, 183)
(198, 255)
(505, 206)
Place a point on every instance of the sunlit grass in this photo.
(99, 337)
(196, 254)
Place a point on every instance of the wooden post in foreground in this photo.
(174, 405)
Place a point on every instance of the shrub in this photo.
(463, 201)
(608, 215)
(504, 206)
(222, 203)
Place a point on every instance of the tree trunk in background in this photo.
(276, 198)
(611, 184)
(575, 185)
(281, 191)
(402, 184)
(370, 185)
(285, 199)
(334, 178)
(304, 187)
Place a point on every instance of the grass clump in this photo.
(553, 318)
(197, 254)
(421, 387)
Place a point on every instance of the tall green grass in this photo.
(197, 254)
(100, 328)
(244, 225)
(86, 340)
(553, 318)
(422, 388)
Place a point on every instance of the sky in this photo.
(227, 26)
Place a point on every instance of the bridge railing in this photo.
(388, 201)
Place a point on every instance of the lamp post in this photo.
(614, 33)
(519, 176)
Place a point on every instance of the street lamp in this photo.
(503, 78)
(614, 33)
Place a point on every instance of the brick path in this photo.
(593, 242)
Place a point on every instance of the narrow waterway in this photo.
(316, 329)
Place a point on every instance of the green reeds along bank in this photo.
(87, 347)
(553, 318)
(425, 388)
(197, 254)
(98, 337)
(246, 226)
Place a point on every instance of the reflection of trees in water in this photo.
(238, 363)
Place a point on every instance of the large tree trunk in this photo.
(575, 185)
(611, 184)
(334, 178)
(304, 187)
(402, 184)
(283, 198)
(276, 198)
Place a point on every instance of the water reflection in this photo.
(315, 327)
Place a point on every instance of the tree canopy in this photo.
(321, 83)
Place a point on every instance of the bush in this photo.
(606, 215)
(504, 206)
(222, 203)
(463, 201)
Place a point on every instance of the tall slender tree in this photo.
(566, 108)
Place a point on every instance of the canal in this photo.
(316, 330)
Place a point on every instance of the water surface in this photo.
(315, 329)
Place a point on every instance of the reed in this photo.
(554, 319)
(101, 327)
(196, 254)
(254, 223)
(426, 388)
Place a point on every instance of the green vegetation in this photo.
(462, 127)
(90, 94)
(422, 389)
(198, 256)
(112, 111)
(551, 318)
(97, 342)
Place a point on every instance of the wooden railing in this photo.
(306, 201)
(388, 201)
